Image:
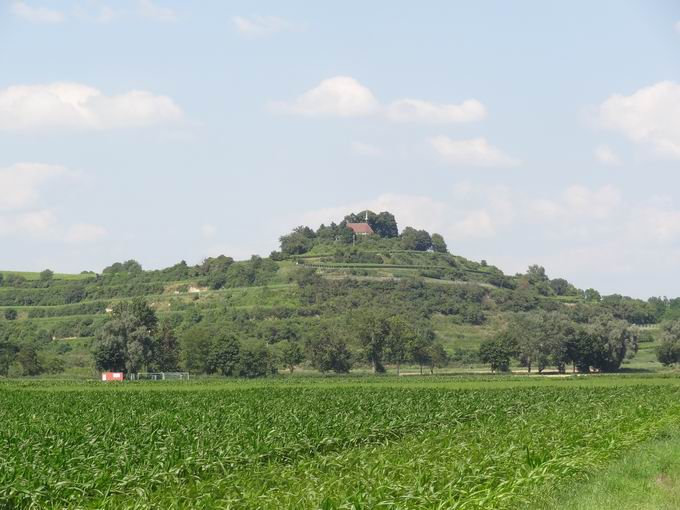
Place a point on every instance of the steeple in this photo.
(366, 219)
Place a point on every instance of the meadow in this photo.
(321, 442)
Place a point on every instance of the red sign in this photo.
(112, 376)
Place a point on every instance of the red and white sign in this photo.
(112, 376)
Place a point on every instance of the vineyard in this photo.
(317, 443)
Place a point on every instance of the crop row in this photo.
(306, 447)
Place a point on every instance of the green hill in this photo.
(315, 287)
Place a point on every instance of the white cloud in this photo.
(410, 110)
(677, 26)
(474, 224)
(36, 14)
(23, 188)
(260, 26)
(365, 149)
(341, 96)
(38, 224)
(85, 233)
(65, 105)
(606, 156)
(344, 96)
(208, 231)
(149, 10)
(20, 184)
(654, 221)
(472, 152)
(649, 116)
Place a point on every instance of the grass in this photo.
(460, 336)
(644, 478)
(319, 442)
(32, 275)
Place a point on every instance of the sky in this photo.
(524, 132)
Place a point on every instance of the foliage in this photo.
(313, 445)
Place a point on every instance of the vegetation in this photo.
(329, 300)
(313, 444)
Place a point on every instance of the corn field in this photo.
(312, 446)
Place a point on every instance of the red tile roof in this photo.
(360, 228)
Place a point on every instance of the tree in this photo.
(28, 359)
(536, 273)
(255, 360)
(525, 336)
(592, 295)
(291, 354)
(224, 355)
(399, 337)
(384, 225)
(668, 351)
(299, 241)
(439, 358)
(372, 330)
(561, 287)
(8, 352)
(497, 353)
(412, 239)
(46, 275)
(126, 341)
(419, 346)
(328, 351)
(11, 314)
(196, 344)
(438, 244)
(166, 349)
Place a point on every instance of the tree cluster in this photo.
(549, 339)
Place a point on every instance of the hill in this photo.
(319, 286)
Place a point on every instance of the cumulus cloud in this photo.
(149, 10)
(40, 223)
(417, 110)
(66, 105)
(577, 204)
(21, 184)
(472, 152)
(341, 96)
(344, 96)
(85, 233)
(23, 188)
(94, 11)
(36, 14)
(260, 26)
(649, 116)
(606, 156)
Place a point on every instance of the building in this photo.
(362, 229)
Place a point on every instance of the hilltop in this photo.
(316, 286)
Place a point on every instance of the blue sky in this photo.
(524, 132)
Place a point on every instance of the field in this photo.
(324, 442)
